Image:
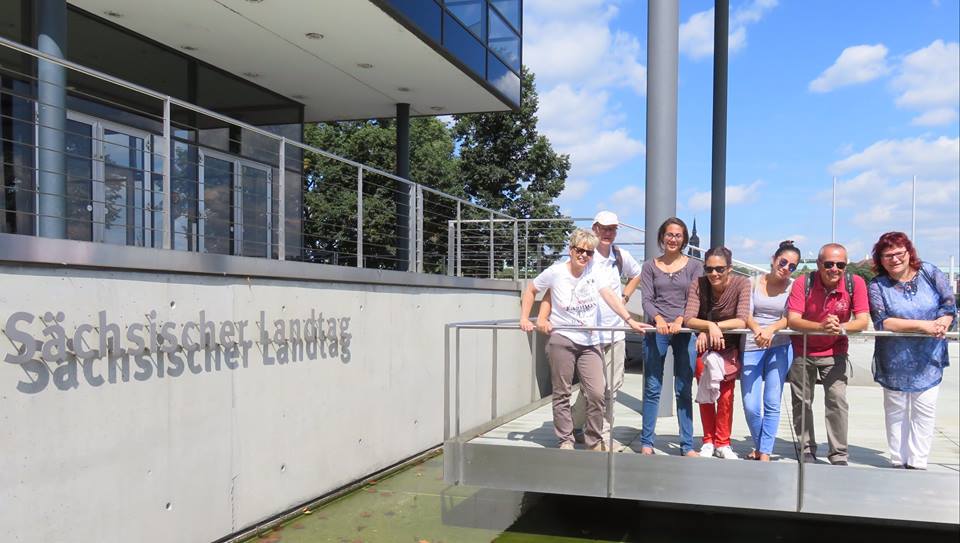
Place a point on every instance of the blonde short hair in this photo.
(581, 237)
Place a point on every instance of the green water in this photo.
(415, 506)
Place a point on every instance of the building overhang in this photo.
(341, 59)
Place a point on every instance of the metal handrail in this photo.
(496, 325)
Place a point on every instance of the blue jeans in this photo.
(684, 358)
(761, 382)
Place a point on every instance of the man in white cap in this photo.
(611, 263)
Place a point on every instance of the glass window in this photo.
(459, 41)
(470, 13)
(123, 162)
(17, 174)
(79, 146)
(423, 13)
(504, 41)
(255, 208)
(510, 9)
(183, 199)
(504, 79)
(217, 219)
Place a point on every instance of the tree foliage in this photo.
(495, 160)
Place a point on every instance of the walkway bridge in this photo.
(194, 343)
(517, 450)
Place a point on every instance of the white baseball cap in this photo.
(606, 218)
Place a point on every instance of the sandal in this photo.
(753, 455)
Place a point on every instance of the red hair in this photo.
(894, 239)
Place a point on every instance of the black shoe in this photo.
(908, 466)
(839, 463)
(809, 458)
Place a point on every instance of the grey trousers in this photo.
(566, 357)
(613, 355)
(832, 371)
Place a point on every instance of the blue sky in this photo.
(866, 90)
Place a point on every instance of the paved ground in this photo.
(867, 441)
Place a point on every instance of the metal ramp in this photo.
(518, 451)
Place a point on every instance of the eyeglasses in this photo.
(829, 264)
(783, 263)
(711, 269)
(588, 252)
(898, 255)
(673, 236)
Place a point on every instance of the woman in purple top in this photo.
(908, 295)
(664, 282)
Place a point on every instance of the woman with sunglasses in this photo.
(766, 357)
(908, 295)
(718, 301)
(664, 283)
(575, 293)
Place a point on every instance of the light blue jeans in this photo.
(761, 382)
(684, 358)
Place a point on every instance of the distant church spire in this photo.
(694, 240)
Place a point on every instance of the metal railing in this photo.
(113, 162)
(453, 432)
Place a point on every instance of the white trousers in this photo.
(910, 420)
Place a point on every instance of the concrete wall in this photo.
(92, 450)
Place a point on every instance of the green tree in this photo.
(508, 166)
(495, 160)
(330, 208)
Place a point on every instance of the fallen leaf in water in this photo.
(388, 513)
(307, 511)
(365, 514)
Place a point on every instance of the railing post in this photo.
(516, 251)
(491, 247)
(281, 203)
(459, 246)
(456, 385)
(359, 216)
(166, 233)
(451, 252)
(419, 193)
(526, 247)
(803, 422)
(493, 379)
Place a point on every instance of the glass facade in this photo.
(225, 193)
(483, 36)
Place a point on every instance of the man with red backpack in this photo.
(833, 302)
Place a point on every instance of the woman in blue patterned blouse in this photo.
(909, 295)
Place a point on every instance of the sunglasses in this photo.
(829, 264)
(784, 264)
(588, 252)
(711, 269)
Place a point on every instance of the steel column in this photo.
(492, 240)
(662, 55)
(51, 120)
(167, 230)
(718, 183)
(516, 251)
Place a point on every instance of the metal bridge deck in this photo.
(521, 454)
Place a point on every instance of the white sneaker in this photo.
(706, 450)
(726, 453)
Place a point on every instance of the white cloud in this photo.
(928, 80)
(936, 117)
(586, 125)
(573, 41)
(696, 33)
(929, 158)
(856, 64)
(878, 194)
(736, 194)
(573, 190)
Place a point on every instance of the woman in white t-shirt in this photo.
(576, 294)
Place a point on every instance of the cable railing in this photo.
(109, 161)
